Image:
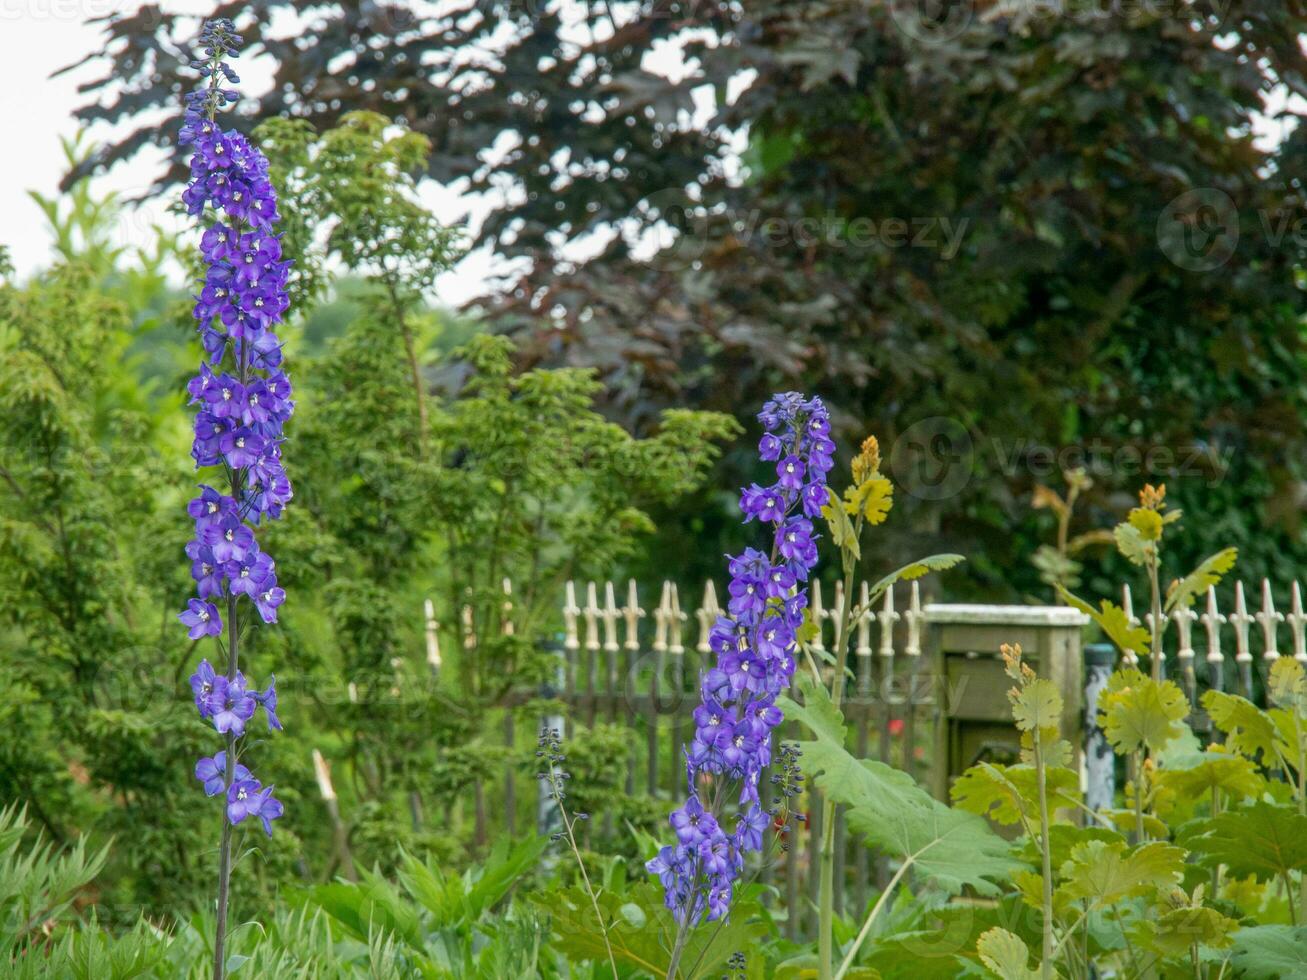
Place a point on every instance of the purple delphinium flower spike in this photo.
(755, 648)
(242, 399)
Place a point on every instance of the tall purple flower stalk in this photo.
(243, 398)
(755, 645)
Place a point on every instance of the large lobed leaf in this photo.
(1267, 840)
(951, 849)
(1271, 952)
(1138, 712)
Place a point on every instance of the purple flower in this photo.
(236, 709)
(251, 576)
(211, 507)
(789, 473)
(230, 540)
(202, 618)
(210, 689)
(767, 504)
(794, 542)
(268, 699)
(692, 823)
(249, 798)
(213, 773)
(268, 601)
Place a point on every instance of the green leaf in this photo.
(1112, 620)
(1173, 932)
(1138, 712)
(1104, 873)
(953, 849)
(1248, 730)
(1183, 592)
(918, 568)
(1194, 778)
(1261, 839)
(1006, 955)
(1271, 952)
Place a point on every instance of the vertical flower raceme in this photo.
(242, 399)
(755, 645)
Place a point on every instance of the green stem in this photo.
(871, 916)
(826, 880)
(1302, 803)
(1155, 626)
(1046, 964)
(1136, 763)
(1129, 948)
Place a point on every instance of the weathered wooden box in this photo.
(973, 718)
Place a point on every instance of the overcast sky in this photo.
(37, 37)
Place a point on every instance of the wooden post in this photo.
(676, 650)
(432, 636)
(887, 618)
(1100, 768)
(328, 793)
(571, 644)
(912, 650)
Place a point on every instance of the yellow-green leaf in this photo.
(1183, 592)
(1005, 794)
(1137, 711)
(1248, 730)
(1113, 621)
(1131, 543)
(1104, 873)
(1038, 705)
(1173, 933)
(841, 530)
(918, 568)
(1005, 954)
(1234, 775)
(1147, 522)
(1287, 684)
